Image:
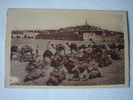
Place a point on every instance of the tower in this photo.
(86, 23)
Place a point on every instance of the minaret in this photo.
(86, 23)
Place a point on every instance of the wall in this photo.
(65, 94)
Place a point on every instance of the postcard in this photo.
(53, 48)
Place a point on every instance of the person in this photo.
(37, 51)
(47, 53)
(52, 48)
(71, 69)
(60, 50)
(56, 77)
(37, 70)
(14, 52)
(73, 47)
(67, 49)
(93, 70)
(56, 72)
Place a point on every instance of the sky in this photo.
(40, 19)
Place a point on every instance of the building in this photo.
(17, 34)
(88, 35)
(30, 34)
(24, 34)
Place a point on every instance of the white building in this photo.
(24, 34)
(17, 34)
(87, 36)
(30, 34)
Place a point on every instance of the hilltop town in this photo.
(74, 33)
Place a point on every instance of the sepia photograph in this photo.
(67, 48)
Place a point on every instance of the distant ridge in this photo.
(69, 33)
(71, 28)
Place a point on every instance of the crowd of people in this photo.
(71, 62)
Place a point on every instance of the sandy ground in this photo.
(112, 74)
